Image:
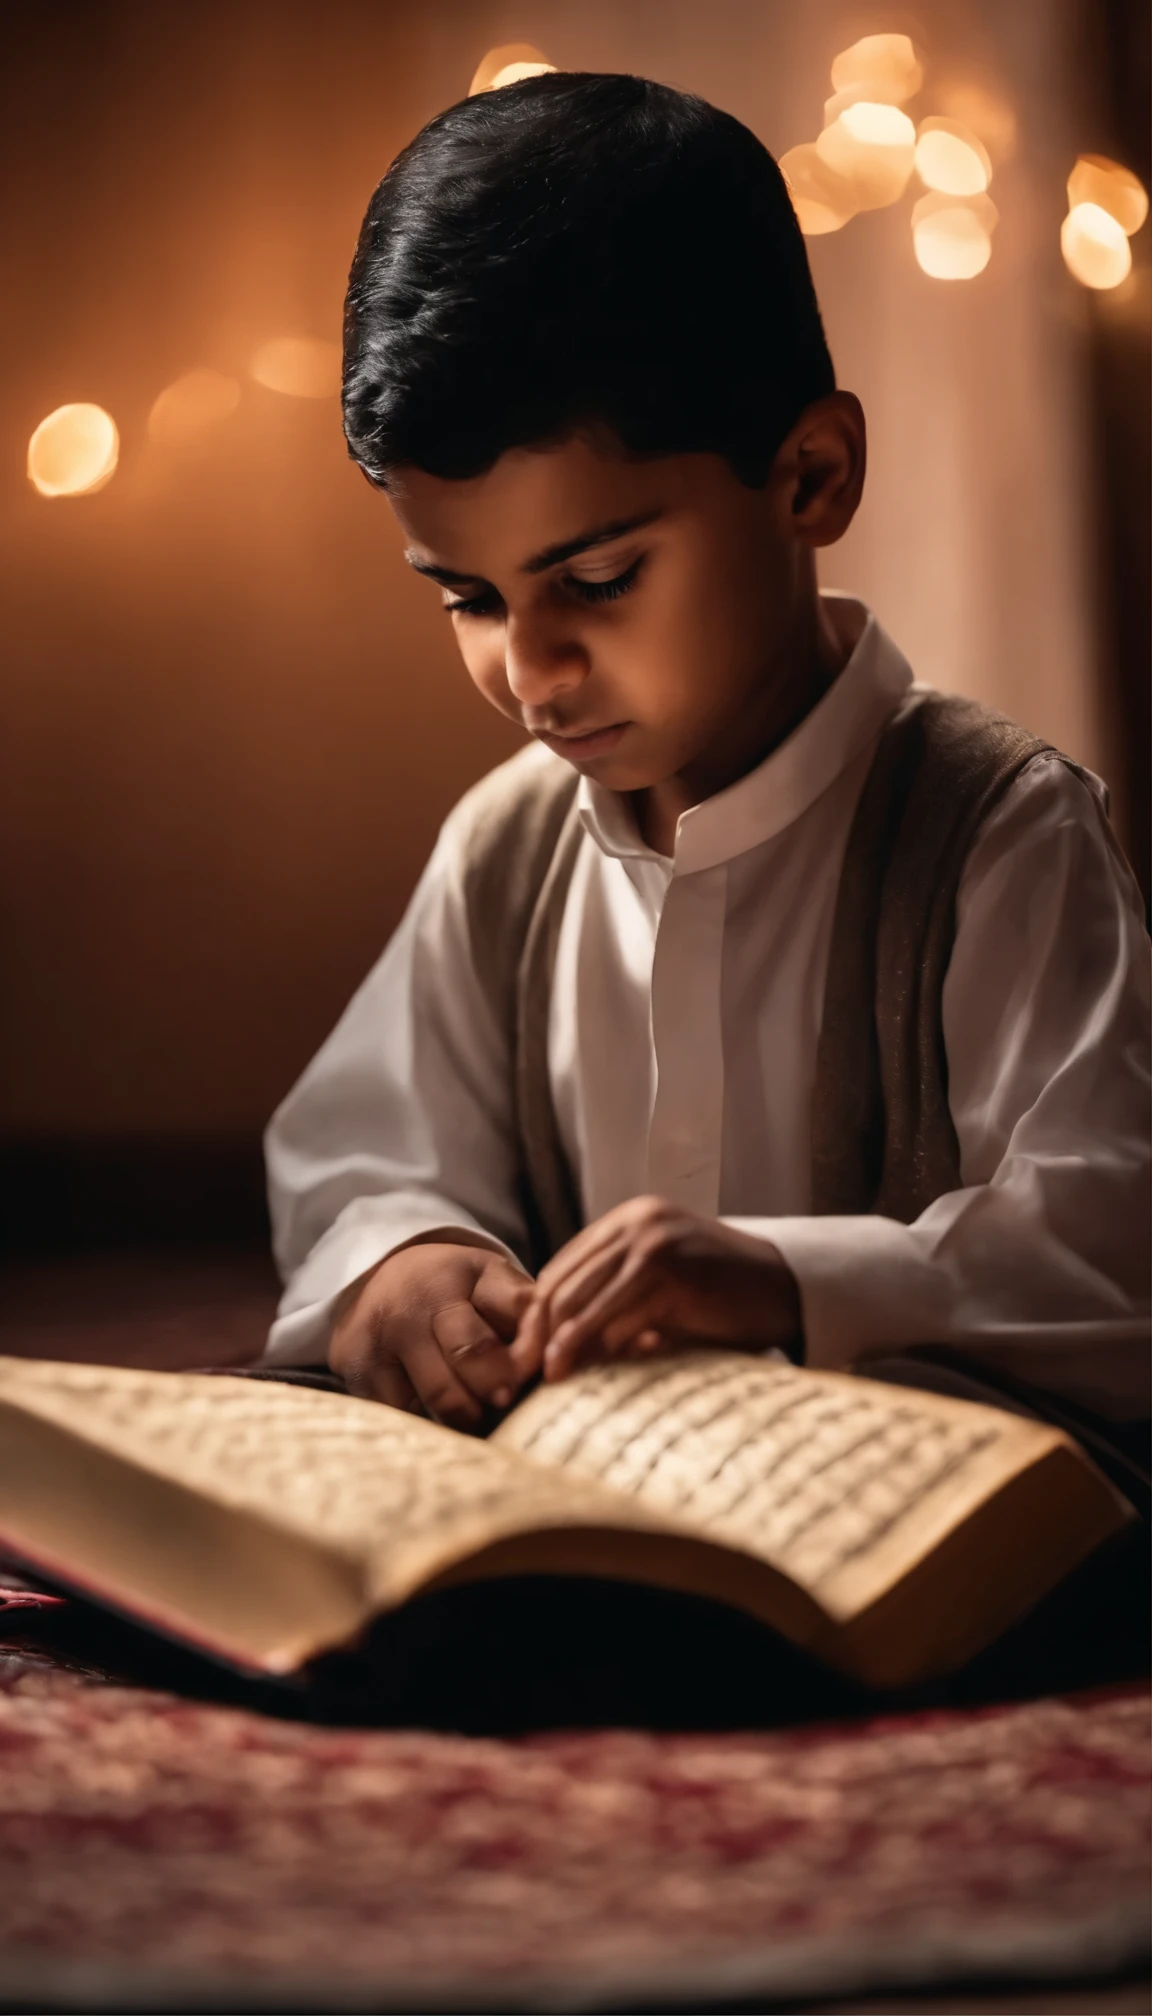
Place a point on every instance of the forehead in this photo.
(530, 499)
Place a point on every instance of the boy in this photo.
(765, 999)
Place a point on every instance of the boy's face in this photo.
(641, 618)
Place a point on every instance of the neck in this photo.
(787, 691)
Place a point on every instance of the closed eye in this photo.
(474, 605)
(606, 591)
(488, 604)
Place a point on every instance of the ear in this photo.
(821, 468)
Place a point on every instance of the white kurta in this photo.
(682, 1046)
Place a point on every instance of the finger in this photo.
(602, 1232)
(634, 1301)
(544, 1317)
(532, 1334)
(581, 1287)
(620, 1342)
(360, 1350)
(440, 1392)
(501, 1294)
(374, 1375)
(527, 1347)
(622, 1338)
(475, 1356)
(560, 1292)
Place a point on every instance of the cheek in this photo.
(483, 657)
(703, 642)
(726, 615)
(677, 643)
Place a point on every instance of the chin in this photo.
(621, 773)
(639, 770)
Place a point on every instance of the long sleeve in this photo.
(1038, 1267)
(400, 1126)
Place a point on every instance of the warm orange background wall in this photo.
(230, 720)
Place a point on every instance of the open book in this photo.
(890, 1532)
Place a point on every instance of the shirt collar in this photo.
(843, 722)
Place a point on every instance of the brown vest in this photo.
(882, 1133)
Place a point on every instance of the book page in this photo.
(269, 1521)
(839, 1482)
(390, 1491)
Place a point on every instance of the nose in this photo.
(540, 661)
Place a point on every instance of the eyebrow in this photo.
(551, 556)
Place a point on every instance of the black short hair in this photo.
(578, 249)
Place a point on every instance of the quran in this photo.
(889, 1532)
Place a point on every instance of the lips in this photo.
(589, 743)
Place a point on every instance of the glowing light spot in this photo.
(952, 236)
(303, 367)
(951, 159)
(887, 66)
(833, 107)
(1095, 247)
(522, 57)
(874, 125)
(985, 114)
(873, 147)
(1110, 187)
(822, 200)
(73, 452)
(198, 400)
(513, 73)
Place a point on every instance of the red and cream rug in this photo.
(159, 1851)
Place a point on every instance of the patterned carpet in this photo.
(160, 1850)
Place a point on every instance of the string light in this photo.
(951, 236)
(885, 69)
(303, 367)
(872, 146)
(198, 400)
(951, 159)
(496, 68)
(822, 200)
(73, 452)
(1095, 247)
(1110, 187)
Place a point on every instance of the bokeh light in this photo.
(873, 147)
(514, 73)
(951, 159)
(303, 367)
(198, 400)
(523, 57)
(883, 68)
(841, 100)
(1095, 247)
(822, 200)
(73, 452)
(985, 113)
(952, 236)
(1110, 187)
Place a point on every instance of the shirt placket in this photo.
(684, 1138)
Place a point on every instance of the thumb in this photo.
(501, 1295)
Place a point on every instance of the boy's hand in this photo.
(648, 1273)
(428, 1331)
